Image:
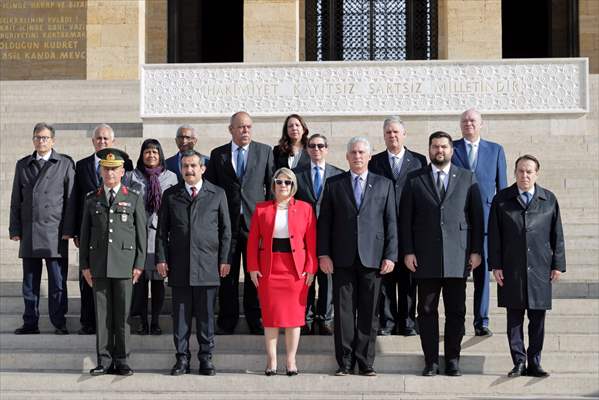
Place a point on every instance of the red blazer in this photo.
(302, 234)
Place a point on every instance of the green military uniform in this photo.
(112, 243)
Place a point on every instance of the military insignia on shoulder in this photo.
(137, 192)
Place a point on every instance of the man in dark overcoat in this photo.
(112, 255)
(192, 248)
(526, 254)
(42, 220)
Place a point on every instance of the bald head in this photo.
(471, 123)
(240, 128)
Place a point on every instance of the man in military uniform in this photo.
(111, 257)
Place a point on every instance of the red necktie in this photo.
(194, 192)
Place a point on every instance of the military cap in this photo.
(111, 158)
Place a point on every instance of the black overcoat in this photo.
(526, 243)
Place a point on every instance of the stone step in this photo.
(14, 305)
(554, 342)
(81, 360)
(554, 323)
(253, 385)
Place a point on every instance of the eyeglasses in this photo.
(285, 182)
(315, 145)
(42, 138)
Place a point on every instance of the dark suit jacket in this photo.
(172, 164)
(305, 188)
(371, 231)
(380, 165)
(194, 235)
(442, 234)
(281, 159)
(526, 243)
(86, 181)
(254, 187)
(490, 169)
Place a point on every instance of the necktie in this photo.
(240, 162)
(527, 197)
(440, 185)
(358, 191)
(395, 167)
(111, 197)
(317, 182)
(194, 192)
(98, 174)
(37, 166)
(471, 157)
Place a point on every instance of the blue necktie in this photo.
(358, 191)
(395, 168)
(527, 197)
(317, 182)
(471, 157)
(98, 175)
(240, 162)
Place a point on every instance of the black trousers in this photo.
(355, 298)
(113, 302)
(536, 335)
(139, 303)
(397, 304)
(454, 300)
(320, 309)
(57, 290)
(228, 292)
(190, 302)
(88, 313)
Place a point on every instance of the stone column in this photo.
(589, 33)
(469, 29)
(115, 39)
(271, 30)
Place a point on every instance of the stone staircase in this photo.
(49, 366)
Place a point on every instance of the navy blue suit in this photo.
(491, 175)
(172, 164)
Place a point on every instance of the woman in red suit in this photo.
(281, 257)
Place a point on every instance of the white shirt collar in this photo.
(234, 146)
(444, 169)
(45, 157)
(399, 155)
(531, 191)
(364, 175)
(116, 189)
(198, 186)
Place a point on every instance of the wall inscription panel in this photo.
(366, 88)
(43, 39)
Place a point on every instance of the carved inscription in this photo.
(43, 39)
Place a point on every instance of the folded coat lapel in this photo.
(349, 188)
(451, 184)
(228, 162)
(428, 182)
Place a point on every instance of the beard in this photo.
(440, 163)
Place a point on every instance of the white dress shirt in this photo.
(399, 156)
(281, 229)
(234, 148)
(107, 191)
(444, 175)
(198, 186)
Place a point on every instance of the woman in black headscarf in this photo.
(153, 178)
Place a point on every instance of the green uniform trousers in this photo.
(113, 301)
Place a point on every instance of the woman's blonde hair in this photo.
(289, 173)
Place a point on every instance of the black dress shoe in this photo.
(306, 330)
(99, 370)
(143, 329)
(407, 332)
(453, 371)
(518, 370)
(292, 372)
(181, 367)
(368, 371)
(430, 370)
(62, 330)
(325, 329)
(87, 330)
(27, 330)
(155, 329)
(537, 371)
(207, 368)
(384, 332)
(123, 370)
(270, 371)
(342, 371)
(484, 331)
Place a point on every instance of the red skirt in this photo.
(283, 294)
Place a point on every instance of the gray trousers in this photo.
(113, 301)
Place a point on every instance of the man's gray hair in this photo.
(394, 119)
(359, 139)
(187, 126)
(102, 127)
(192, 153)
